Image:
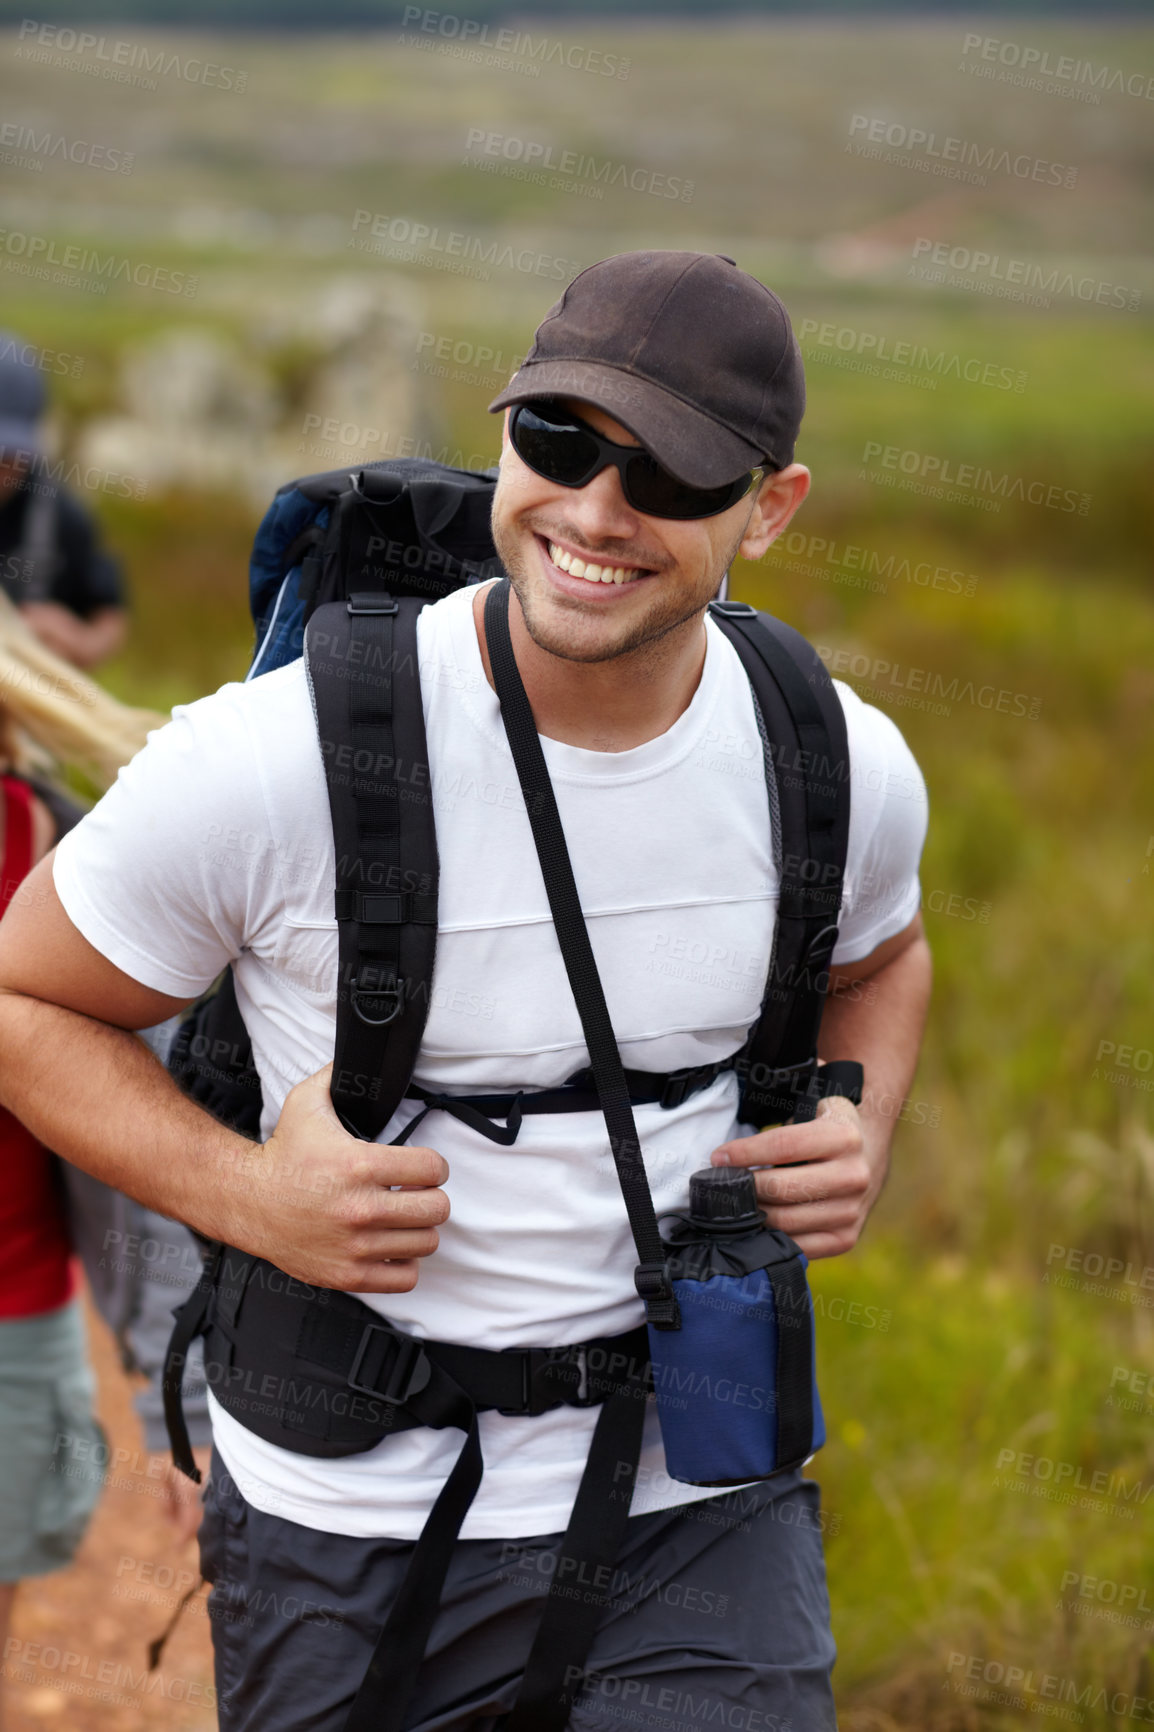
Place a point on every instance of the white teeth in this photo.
(592, 573)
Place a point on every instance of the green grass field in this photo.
(982, 1351)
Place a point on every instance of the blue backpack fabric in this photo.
(404, 526)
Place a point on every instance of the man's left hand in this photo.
(823, 1202)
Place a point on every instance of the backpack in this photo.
(342, 565)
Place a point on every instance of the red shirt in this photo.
(35, 1248)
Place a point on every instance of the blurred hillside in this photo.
(299, 15)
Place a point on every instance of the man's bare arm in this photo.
(313, 1199)
(875, 1013)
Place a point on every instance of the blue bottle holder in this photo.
(736, 1383)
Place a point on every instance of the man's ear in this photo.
(779, 496)
(505, 428)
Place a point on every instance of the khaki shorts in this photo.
(49, 1482)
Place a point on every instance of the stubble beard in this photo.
(547, 626)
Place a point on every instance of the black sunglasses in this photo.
(563, 448)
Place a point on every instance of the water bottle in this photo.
(736, 1389)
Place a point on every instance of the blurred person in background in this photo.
(51, 1445)
(51, 562)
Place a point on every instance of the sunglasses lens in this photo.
(562, 450)
(655, 491)
(555, 448)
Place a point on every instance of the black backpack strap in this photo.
(807, 763)
(361, 659)
(651, 1276)
(555, 1668)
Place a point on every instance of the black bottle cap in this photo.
(723, 1197)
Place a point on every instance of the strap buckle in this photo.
(365, 601)
(408, 1373)
(680, 1084)
(393, 996)
(655, 1287)
(733, 609)
(552, 1377)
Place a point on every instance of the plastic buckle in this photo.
(393, 995)
(677, 1086)
(821, 947)
(733, 609)
(537, 1365)
(364, 601)
(408, 1374)
(652, 1281)
(793, 1079)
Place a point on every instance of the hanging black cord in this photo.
(651, 1277)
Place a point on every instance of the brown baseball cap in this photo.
(695, 357)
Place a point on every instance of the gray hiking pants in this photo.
(718, 1618)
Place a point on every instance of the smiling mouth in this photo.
(575, 565)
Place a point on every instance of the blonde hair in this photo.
(51, 714)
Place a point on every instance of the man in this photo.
(642, 707)
(51, 562)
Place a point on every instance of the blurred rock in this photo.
(322, 381)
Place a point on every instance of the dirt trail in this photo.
(84, 1631)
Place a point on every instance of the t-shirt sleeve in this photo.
(156, 876)
(889, 813)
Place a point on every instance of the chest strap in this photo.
(578, 1094)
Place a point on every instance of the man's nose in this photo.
(600, 509)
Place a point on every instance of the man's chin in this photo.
(561, 626)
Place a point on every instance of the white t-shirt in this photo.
(215, 845)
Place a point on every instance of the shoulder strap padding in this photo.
(807, 758)
(361, 660)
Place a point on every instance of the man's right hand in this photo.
(321, 1203)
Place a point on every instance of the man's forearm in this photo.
(880, 1023)
(97, 1095)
